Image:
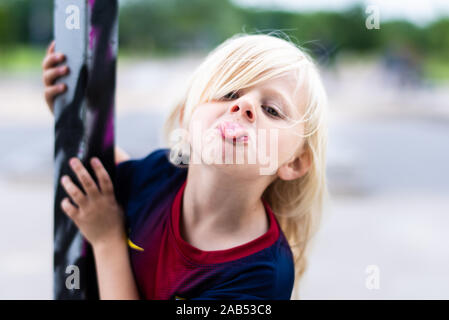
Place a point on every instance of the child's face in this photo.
(265, 113)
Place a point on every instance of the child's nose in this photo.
(246, 109)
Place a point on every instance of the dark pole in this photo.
(86, 32)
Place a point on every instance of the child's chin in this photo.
(241, 170)
(226, 154)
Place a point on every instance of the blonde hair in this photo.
(243, 61)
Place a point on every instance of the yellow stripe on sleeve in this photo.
(133, 246)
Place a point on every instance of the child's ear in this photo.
(296, 167)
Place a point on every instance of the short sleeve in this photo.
(143, 184)
(133, 176)
(123, 179)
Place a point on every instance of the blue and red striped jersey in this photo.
(165, 266)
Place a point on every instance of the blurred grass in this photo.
(21, 58)
(436, 68)
(24, 59)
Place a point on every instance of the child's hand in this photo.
(51, 73)
(98, 216)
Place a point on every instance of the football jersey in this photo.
(165, 266)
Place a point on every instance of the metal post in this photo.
(86, 32)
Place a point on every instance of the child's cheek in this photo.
(200, 135)
(289, 144)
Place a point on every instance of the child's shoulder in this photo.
(157, 156)
(156, 162)
(137, 176)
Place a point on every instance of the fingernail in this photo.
(61, 86)
(64, 179)
(73, 162)
(62, 69)
(95, 161)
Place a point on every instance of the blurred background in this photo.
(388, 152)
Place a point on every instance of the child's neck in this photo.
(217, 209)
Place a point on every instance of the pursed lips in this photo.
(233, 131)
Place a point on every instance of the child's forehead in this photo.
(285, 81)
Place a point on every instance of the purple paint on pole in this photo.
(93, 34)
(109, 136)
(84, 248)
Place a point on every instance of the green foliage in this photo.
(437, 37)
(177, 24)
(13, 22)
(171, 26)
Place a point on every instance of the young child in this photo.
(179, 223)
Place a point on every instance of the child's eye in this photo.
(231, 95)
(271, 111)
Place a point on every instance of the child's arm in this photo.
(114, 273)
(101, 221)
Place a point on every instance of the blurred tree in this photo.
(437, 37)
(179, 25)
(402, 34)
(25, 21)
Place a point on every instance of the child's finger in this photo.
(69, 208)
(52, 59)
(51, 91)
(50, 75)
(84, 177)
(106, 185)
(73, 191)
(51, 47)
